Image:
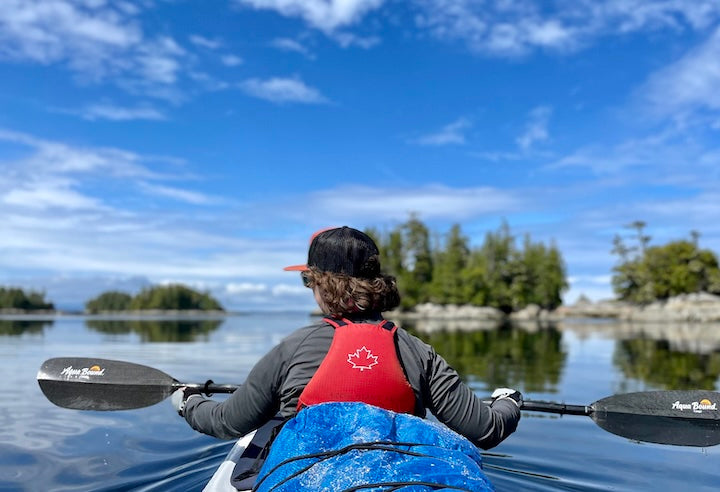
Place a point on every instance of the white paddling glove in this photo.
(180, 397)
(514, 395)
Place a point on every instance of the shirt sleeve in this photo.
(250, 406)
(456, 405)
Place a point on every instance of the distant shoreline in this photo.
(699, 307)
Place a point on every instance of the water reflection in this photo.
(16, 327)
(657, 363)
(158, 330)
(522, 356)
(661, 355)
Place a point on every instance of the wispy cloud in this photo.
(517, 28)
(57, 158)
(536, 129)
(231, 60)
(287, 44)
(326, 15)
(506, 28)
(348, 39)
(96, 40)
(668, 157)
(283, 90)
(49, 194)
(119, 113)
(52, 175)
(187, 196)
(204, 42)
(690, 84)
(430, 201)
(451, 134)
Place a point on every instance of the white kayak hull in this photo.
(220, 481)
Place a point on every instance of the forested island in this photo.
(173, 297)
(15, 299)
(442, 274)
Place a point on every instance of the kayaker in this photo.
(353, 354)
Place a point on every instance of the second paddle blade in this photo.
(680, 418)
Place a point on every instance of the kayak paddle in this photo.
(681, 418)
(100, 384)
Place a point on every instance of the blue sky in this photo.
(203, 142)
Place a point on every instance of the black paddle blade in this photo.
(100, 384)
(680, 418)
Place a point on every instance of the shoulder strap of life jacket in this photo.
(338, 322)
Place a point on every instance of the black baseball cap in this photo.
(342, 250)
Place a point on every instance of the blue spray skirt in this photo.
(353, 446)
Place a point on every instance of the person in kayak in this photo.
(352, 355)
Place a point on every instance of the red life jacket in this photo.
(361, 365)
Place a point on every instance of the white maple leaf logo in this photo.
(362, 359)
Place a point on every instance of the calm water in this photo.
(43, 447)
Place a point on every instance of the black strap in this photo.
(336, 322)
(248, 466)
(392, 486)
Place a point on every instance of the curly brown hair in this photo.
(343, 295)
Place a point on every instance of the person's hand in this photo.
(180, 398)
(511, 394)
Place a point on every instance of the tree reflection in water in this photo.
(158, 330)
(525, 357)
(19, 327)
(657, 363)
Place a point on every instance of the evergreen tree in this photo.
(659, 272)
(447, 283)
(417, 264)
(449, 271)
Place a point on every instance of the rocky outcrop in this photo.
(451, 311)
(699, 307)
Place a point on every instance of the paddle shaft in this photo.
(206, 388)
(559, 408)
(685, 418)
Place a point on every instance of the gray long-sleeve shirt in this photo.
(277, 380)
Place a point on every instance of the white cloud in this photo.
(242, 288)
(430, 202)
(536, 127)
(53, 175)
(517, 28)
(326, 15)
(49, 194)
(667, 158)
(204, 42)
(451, 134)
(287, 44)
(231, 60)
(346, 40)
(96, 40)
(282, 90)
(691, 83)
(158, 60)
(119, 113)
(282, 290)
(179, 194)
(55, 158)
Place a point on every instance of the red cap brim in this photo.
(296, 268)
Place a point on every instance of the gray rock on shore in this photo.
(700, 307)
